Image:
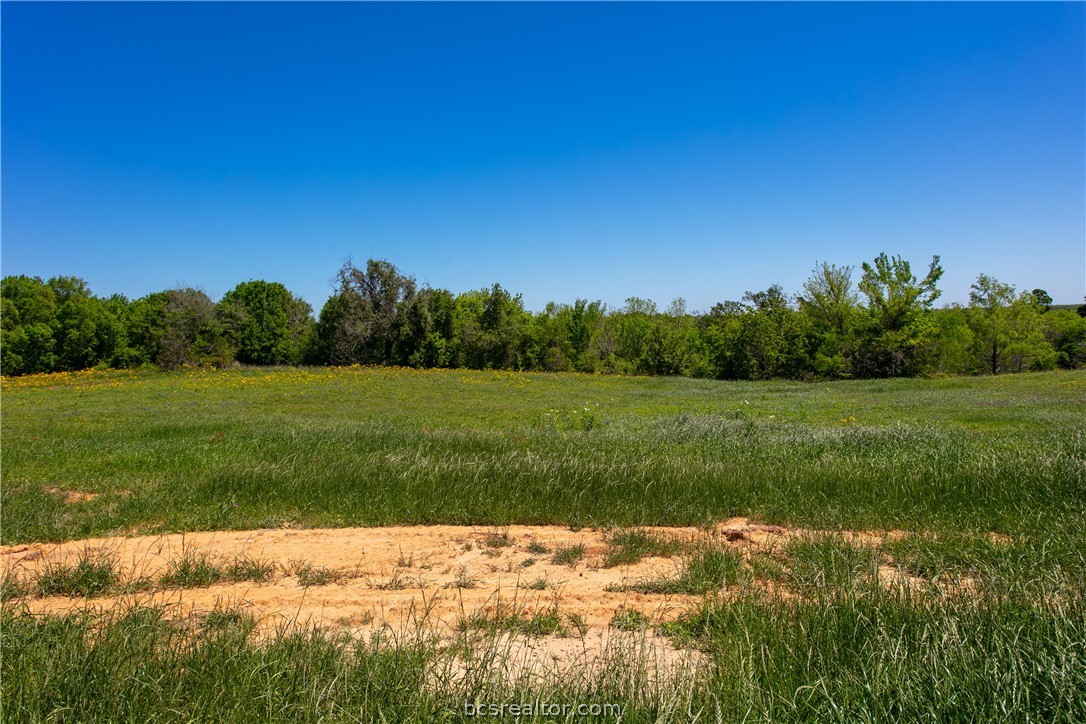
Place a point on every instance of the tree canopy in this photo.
(884, 326)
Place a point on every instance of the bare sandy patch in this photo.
(385, 577)
(443, 581)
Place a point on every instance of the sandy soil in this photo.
(416, 580)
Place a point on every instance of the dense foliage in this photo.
(884, 326)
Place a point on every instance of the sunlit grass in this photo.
(986, 476)
(201, 450)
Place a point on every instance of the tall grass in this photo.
(255, 448)
(846, 655)
(874, 655)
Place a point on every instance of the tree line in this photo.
(886, 325)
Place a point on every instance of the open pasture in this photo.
(900, 549)
(111, 452)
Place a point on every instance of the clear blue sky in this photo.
(563, 150)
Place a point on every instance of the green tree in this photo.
(634, 327)
(953, 351)
(1008, 331)
(1044, 299)
(192, 333)
(265, 323)
(29, 309)
(1029, 349)
(145, 324)
(362, 321)
(990, 300)
(723, 328)
(59, 325)
(829, 299)
(674, 345)
(771, 337)
(76, 328)
(426, 330)
(1066, 332)
(897, 330)
(831, 305)
(549, 345)
(113, 339)
(502, 322)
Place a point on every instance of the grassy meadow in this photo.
(999, 634)
(205, 450)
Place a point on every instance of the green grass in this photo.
(828, 561)
(709, 569)
(875, 655)
(630, 546)
(256, 448)
(89, 576)
(244, 568)
(568, 555)
(949, 460)
(854, 653)
(192, 570)
(629, 619)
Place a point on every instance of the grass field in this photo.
(987, 476)
(253, 448)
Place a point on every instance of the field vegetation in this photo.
(967, 605)
(149, 452)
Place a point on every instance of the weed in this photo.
(630, 546)
(498, 540)
(244, 568)
(192, 570)
(538, 548)
(311, 575)
(709, 569)
(828, 561)
(577, 622)
(629, 619)
(463, 579)
(90, 575)
(539, 623)
(543, 623)
(396, 583)
(219, 620)
(568, 555)
(851, 655)
(765, 567)
(951, 556)
(13, 586)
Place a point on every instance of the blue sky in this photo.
(564, 150)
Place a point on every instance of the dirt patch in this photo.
(762, 537)
(395, 577)
(71, 496)
(447, 581)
